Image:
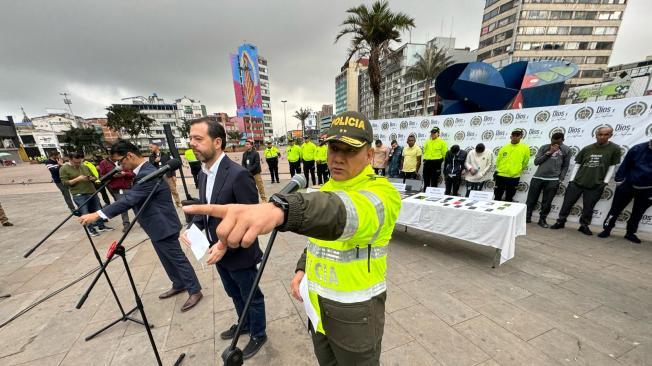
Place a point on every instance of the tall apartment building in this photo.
(579, 31)
(163, 113)
(263, 72)
(400, 97)
(346, 85)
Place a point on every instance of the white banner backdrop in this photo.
(630, 118)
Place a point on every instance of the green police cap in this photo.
(351, 128)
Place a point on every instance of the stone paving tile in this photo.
(444, 343)
(395, 334)
(197, 354)
(569, 350)
(639, 356)
(136, 349)
(523, 324)
(638, 331)
(411, 353)
(501, 345)
(54, 360)
(190, 327)
(616, 300)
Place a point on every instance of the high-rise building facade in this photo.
(579, 31)
(346, 85)
(400, 97)
(267, 97)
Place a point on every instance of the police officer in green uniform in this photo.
(349, 224)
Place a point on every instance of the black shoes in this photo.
(93, 232)
(557, 225)
(633, 238)
(229, 334)
(528, 220)
(584, 230)
(105, 229)
(7, 224)
(604, 233)
(543, 223)
(254, 345)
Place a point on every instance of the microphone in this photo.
(297, 182)
(110, 174)
(172, 165)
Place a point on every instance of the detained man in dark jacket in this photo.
(552, 160)
(634, 180)
(251, 162)
(453, 167)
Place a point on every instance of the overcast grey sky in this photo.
(102, 51)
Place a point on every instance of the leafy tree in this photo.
(234, 136)
(129, 120)
(82, 139)
(184, 129)
(427, 68)
(372, 30)
(282, 139)
(302, 115)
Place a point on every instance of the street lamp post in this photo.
(285, 120)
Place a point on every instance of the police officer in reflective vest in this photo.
(349, 224)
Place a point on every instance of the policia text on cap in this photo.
(349, 224)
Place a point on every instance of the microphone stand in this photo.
(125, 316)
(232, 356)
(119, 249)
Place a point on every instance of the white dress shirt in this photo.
(211, 173)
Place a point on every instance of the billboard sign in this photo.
(246, 81)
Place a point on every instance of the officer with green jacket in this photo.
(349, 224)
(511, 160)
(293, 152)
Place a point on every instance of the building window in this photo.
(602, 45)
(561, 15)
(599, 31)
(609, 15)
(532, 30)
(558, 30)
(581, 31)
(585, 15)
(588, 1)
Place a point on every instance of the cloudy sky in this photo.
(102, 51)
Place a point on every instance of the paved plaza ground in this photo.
(564, 299)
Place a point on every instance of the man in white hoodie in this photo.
(479, 166)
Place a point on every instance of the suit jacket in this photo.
(165, 157)
(233, 184)
(160, 219)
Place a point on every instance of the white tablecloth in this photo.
(454, 217)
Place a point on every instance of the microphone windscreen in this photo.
(174, 164)
(300, 180)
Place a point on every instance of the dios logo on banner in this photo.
(635, 109)
(534, 134)
(607, 194)
(584, 114)
(648, 130)
(384, 125)
(623, 151)
(450, 122)
(624, 216)
(570, 132)
(522, 187)
(558, 116)
(520, 118)
(475, 121)
(576, 210)
(496, 149)
(561, 190)
(507, 119)
(392, 136)
(646, 220)
(459, 136)
(533, 151)
(490, 184)
(556, 130)
(488, 135)
(624, 130)
(469, 148)
(542, 117)
(403, 125)
(425, 124)
(574, 150)
(604, 112)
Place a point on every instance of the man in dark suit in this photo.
(158, 158)
(223, 181)
(159, 220)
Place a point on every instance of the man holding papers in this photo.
(222, 182)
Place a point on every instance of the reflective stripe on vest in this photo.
(348, 297)
(380, 212)
(351, 216)
(344, 256)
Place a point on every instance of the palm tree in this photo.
(372, 30)
(428, 66)
(302, 115)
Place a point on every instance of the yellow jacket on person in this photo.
(92, 168)
(434, 149)
(271, 152)
(294, 153)
(308, 150)
(512, 159)
(190, 155)
(321, 154)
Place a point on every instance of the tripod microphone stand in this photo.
(125, 316)
(232, 356)
(117, 249)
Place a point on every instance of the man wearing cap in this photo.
(294, 158)
(271, 157)
(321, 157)
(434, 152)
(512, 159)
(308, 150)
(346, 258)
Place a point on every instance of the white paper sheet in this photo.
(198, 242)
(307, 304)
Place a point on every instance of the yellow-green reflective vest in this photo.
(294, 153)
(322, 153)
(92, 168)
(352, 268)
(271, 152)
(190, 155)
(308, 151)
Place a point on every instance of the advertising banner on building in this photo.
(246, 81)
(630, 118)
